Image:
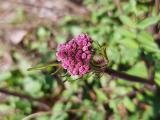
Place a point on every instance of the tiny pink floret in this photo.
(75, 55)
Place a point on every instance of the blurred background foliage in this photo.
(29, 34)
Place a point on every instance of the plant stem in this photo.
(26, 97)
(128, 77)
(4, 91)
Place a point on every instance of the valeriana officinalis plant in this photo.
(82, 55)
(78, 57)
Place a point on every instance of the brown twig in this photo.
(5, 91)
(26, 97)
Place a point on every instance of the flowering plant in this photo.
(77, 56)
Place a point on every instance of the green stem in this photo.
(44, 67)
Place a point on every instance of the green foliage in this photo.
(128, 45)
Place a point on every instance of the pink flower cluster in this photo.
(75, 55)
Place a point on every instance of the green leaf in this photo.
(32, 86)
(4, 107)
(94, 17)
(147, 42)
(5, 75)
(58, 107)
(148, 114)
(43, 33)
(75, 30)
(113, 104)
(96, 115)
(24, 105)
(127, 33)
(129, 43)
(100, 95)
(113, 54)
(127, 21)
(139, 69)
(157, 78)
(148, 21)
(59, 112)
(134, 116)
(129, 104)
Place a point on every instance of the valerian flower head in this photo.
(76, 55)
